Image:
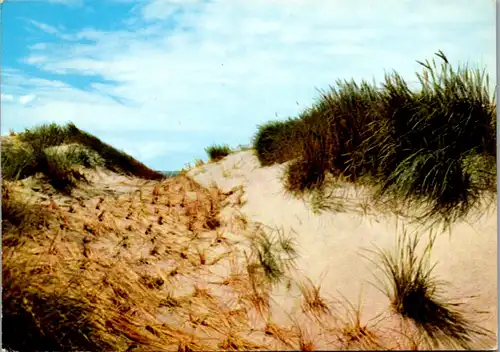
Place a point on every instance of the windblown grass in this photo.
(417, 295)
(217, 152)
(412, 145)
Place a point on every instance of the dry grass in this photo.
(226, 173)
(306, 342)
(109, 272)
(312, 300)
(154, 268)
(352, 332)
(285, 336)
(76, 247)
(198, 163)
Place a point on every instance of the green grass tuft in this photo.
(417, 295)
(273, 255)
(61, 164)
(217, 152)
(19, 160)
(277, 141)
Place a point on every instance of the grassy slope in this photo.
(36, 151)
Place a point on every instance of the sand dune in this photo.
(163, 265)
(331, 243)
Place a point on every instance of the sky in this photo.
(163, 79)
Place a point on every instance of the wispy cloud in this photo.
(35, 59)
(164, 9)
(6, 97)
(224, 66)
(44, 27)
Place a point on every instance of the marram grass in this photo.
(418, 296)
(414, 145)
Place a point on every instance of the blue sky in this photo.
(162, 79)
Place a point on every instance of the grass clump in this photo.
(354, 333)
(309, 171)
(277, 142)
(416, 295)
(61, 164)
(58, 163)
(312, 301)
(18, 160)
(77, 154)
(272, 255)
(60, 173)
(411, 145)
(217, 152)
(430, 135)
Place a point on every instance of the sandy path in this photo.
(331, 243)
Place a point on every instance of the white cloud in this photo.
(35, 59)
(38, 46)
(229, 65)
(25, 99)
(6, 97)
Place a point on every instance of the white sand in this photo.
(331, 243)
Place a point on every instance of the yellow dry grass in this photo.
(155, 268)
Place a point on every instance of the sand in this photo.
(163, 236)
(331, 244)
